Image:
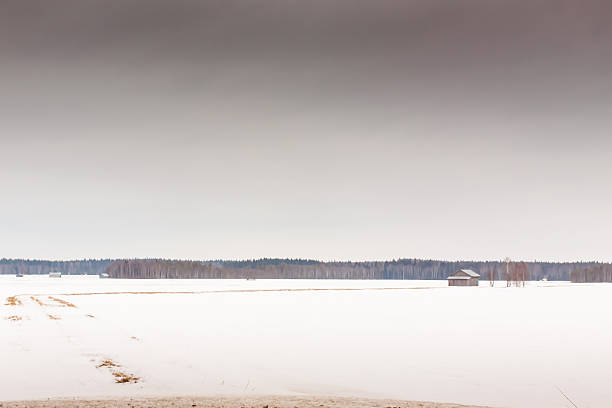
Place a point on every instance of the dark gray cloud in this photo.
(352, 129)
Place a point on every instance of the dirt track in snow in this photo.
(273, 401)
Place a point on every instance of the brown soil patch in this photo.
(61, 301)
(54, 317)
(13, 301)
(14, 318)
(123, 378)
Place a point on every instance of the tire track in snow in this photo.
(228, 291)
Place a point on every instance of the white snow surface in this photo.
(507, 347)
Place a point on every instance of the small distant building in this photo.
(104, 275)
(55, 274)
(463, 277)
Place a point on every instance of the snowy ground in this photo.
(498, 346)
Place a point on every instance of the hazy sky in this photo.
(320, 129)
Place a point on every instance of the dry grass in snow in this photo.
(108, 363)
(62, 301)
(122, 378)
(37, 300)
(13, 301)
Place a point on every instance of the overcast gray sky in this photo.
(331, 130)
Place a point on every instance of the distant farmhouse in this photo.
(463, 277)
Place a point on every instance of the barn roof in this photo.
(459, 278)
(470, 274)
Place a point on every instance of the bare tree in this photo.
(492, 275)
(518, 274)
(508, 274)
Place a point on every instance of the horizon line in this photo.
(297, 259)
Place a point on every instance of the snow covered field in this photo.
(417, 340)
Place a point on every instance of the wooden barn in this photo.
(463, 277)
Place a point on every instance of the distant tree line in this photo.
(401, 269)
(35, 267)
(277, 268)
(596, 273)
